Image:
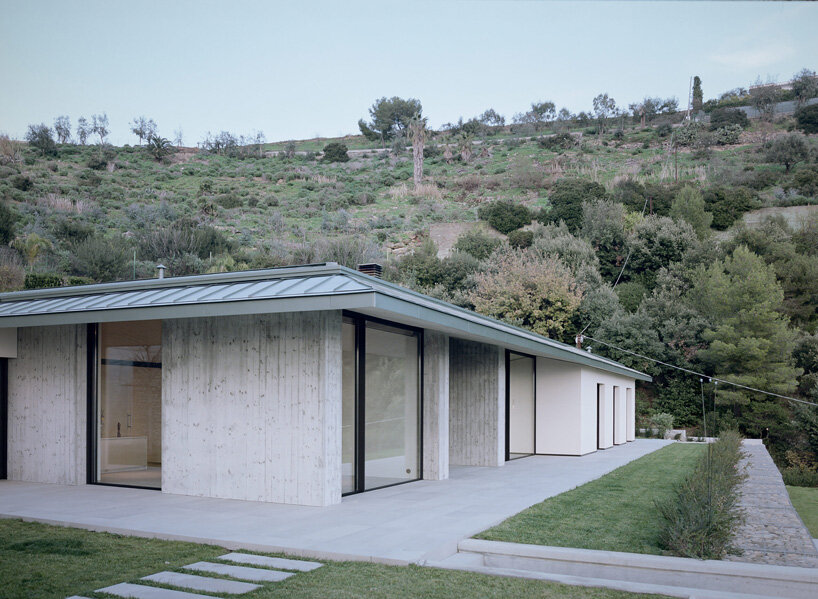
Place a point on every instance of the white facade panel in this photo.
(559, 407)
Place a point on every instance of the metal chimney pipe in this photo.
(161, 268)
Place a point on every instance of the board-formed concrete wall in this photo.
(477, 404)
(47, 405)
(435, 405)
(252, 407)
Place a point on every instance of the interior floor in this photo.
(151, 477)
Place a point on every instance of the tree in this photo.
(390, 116)
(83, 130)
(698, 96)
(688, 206)
(804, 85)
(750, 341)
(566, 199)
(102, 259)
(335, 152)
(491, 118)
(478, 243)
(41, 137)
(8, 220)
(527, 290)
(143, 128)
(417, 132)
(788, 150)
(62, 126)
(656, 243)
(504, 215)
(806, 118)
(542, 113)
(764, 98)
(159, 147)
(604, 108)
(603, 225)
(177, 137)
(721, 117)
(99, 126)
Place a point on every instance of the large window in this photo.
(381, 405)
(128, 406)
(520, 405)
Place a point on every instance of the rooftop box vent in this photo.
(373, 269)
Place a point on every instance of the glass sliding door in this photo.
(381, 405)
(129, 404)
(520, 408)
(391, 413)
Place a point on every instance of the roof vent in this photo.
(161, 269)
(373, 269)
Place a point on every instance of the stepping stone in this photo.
(271, 562)
(202, 583)
(242, 572)
(140, 591)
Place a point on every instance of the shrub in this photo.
(804, 180)
(477, 243)
(101, 259)
(662, 422)
(8, 220)
(36, 280)
(521, 239)
(22, 182)
(664, 130)
(728, 204)
(335, 152)
(505, 215)
(701, 520)
(806, 118)
(729, 134)
(566, 199)
(560, 141)
(788, 150)
(228, 200)
(800, 477)
(722, 117)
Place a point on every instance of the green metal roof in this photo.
(290, 289)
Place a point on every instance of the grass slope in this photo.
(805, 501)
(613, 513)
(38, 561)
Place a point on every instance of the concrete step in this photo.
(140, 591)
(240, 572)
(271, 562)
(202, 583)
(703, 576)
(468, 565)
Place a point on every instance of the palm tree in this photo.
(418, 132)
(159, 147)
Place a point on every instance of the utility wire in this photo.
(700, 374)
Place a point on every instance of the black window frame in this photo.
(508, 403)
(359, 452)
(4, 418)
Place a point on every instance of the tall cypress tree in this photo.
(697, 93)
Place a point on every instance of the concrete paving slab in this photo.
(141, 591)
(202, 583)
(242, 572)
(271, 562)
(403, 524)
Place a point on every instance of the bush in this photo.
(727, 135)
(788, 150)
(664, 130)
(728, 204)
(505, 215)
(800, 477)
(560, 141)
(22, 182)
(722, 117)
(335, 152)
(521, 239)
(806, 118)
(8, 220)
(228, 201)
(701, 520)
(662, 422)
(101, 259)
(477, 243)
(36, 280)
(566, 199)
(804, 180)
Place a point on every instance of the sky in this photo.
(301, 69)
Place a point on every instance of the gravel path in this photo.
(773, 532)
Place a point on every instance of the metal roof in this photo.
(290, 289)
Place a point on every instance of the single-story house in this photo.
(293, 385)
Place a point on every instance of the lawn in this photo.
(805, 500)
(39, 561)
(616, 512)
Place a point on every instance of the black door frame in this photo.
(359, 453)
(508, 403)
(599, 397)
(613, 413)
(4, 417)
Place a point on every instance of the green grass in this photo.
(616, 512)
(805, 500)
(39, 561)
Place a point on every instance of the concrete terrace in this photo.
(409, 523)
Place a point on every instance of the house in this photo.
(293, 385)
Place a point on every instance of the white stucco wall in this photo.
(47, 405)
(592, 377)
(559, 407)
(252, 407)
(630, 413)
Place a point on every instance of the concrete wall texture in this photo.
(477, 401)
(47, 405)
(252, 407)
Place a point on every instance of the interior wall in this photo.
(47, 405)
(477, 404)
(521, 412)
(559, 407)
(252, 407)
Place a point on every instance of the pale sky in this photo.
(303, 68)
